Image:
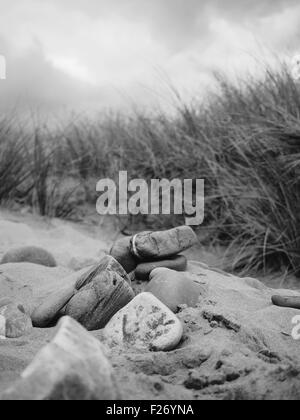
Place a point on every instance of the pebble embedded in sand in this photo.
(286, 301)
(14, 322)
(174, 289)
(177, 263)
(145, 324)
(121, 252)
(99, 295)
(29, 254)
(72, 367)
(148, 246)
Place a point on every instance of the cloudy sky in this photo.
(103, 53)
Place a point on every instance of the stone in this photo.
(120, 251)
(174, 289)
(72, 367)
(286, 301)
(47, 313)
(149, 246)
(144, 324)
(99, 294)
(14, 321)
(29, 254)
(92, 297)
(108, 263)
(177, 263)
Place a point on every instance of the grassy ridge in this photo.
(245, 141)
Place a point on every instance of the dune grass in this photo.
(245, 142)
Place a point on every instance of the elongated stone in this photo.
(72, 367)
(108, 263)
(47, 314)
(121, 252)
(99, 295)
(286, 301)
(150, 246)
(143, 270)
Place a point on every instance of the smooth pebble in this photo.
(145, 324)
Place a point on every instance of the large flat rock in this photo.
(72, 366)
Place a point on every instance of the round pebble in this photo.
(29, 254)
(174, 289)
(145, 324)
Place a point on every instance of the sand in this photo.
(70, 247)
(236, 344)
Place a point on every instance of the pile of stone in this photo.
(147, 251)
(102, 296)
(105, 289)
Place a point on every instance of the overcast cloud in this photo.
(95, 53)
